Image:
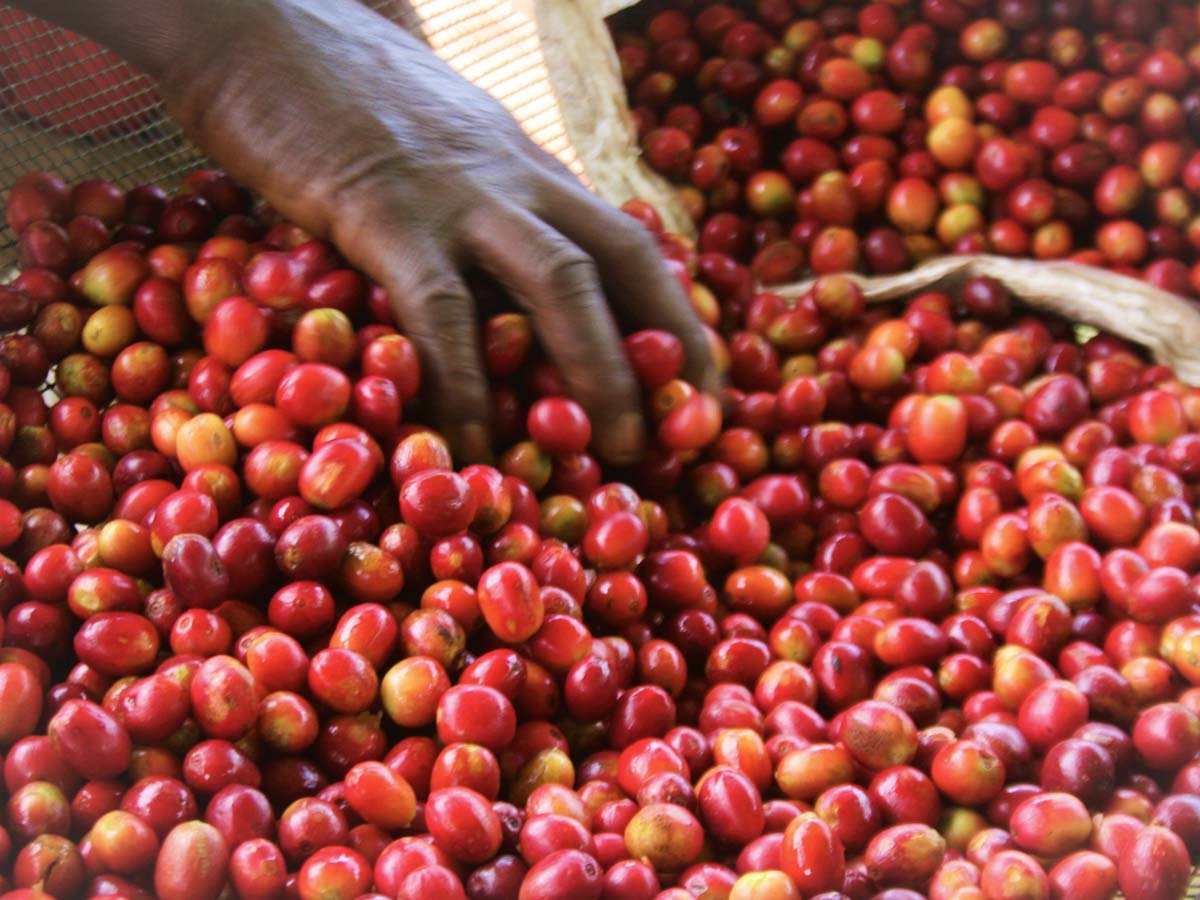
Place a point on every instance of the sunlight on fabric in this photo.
(494, 43)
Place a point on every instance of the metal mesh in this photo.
(70, 106)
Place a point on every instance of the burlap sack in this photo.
(594, 134)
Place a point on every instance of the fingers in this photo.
(557, 284)
(637, 283)
(438, 315)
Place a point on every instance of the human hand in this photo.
(353, 129)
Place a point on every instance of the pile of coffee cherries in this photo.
(834, 136)
(911, 609)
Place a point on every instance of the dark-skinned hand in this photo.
(356, 131)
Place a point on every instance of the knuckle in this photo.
(458, 382)
(442, 295)
(568, 274)
(633, 242)
(426, 308)
(364, 195)
(440, 320)
(605, 381)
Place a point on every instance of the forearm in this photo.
(146, 34)
(156, 35)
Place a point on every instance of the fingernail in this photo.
(624, 442)
(474, 442)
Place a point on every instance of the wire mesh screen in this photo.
(65, 96)
(70, 106)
